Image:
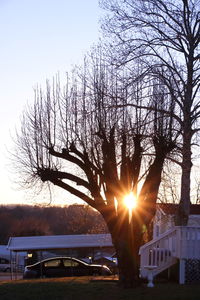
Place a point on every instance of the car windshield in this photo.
(80, 260)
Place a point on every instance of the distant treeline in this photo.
(25, 220)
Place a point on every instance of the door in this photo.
(53, 268)
(74, 268)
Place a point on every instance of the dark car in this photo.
(64, 267)
(4, 265)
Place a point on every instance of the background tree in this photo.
(30, 226)
(89, 143)
(165, 36)
(29, 220)
(170, 186)
(5, 227)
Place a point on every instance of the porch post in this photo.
(182, 271)
(11, 265)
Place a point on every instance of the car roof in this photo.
(57, 257)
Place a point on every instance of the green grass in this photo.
(85, 288)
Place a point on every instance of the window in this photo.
(70, 263)
(157, 230)
(4, 261)
(53, 263)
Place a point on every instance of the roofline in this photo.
(103, 242)
(18, 249)
(162, 211)
(8, 242)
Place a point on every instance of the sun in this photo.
(130, 201)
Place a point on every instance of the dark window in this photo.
(4, 261)
(70, 263)
(53, 263)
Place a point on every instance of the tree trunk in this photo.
(127, 238)
(184, 205)
(127, 243)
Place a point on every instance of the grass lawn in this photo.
(85, 288)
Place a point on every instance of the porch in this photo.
(181, 243)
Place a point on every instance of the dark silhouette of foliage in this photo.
(35, 220)
(164, 36)
(97, 142)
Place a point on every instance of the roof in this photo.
(3, 249)
(59, 242)
(171, 208)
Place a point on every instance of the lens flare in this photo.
(130, 201)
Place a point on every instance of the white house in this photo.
(172, 244)
(164, 219)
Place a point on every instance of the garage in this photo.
(84, 246)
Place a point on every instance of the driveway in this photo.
(5, 276)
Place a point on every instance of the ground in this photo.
(90, 288)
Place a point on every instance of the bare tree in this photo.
(82, 141)
(169, 189)
(165, 36)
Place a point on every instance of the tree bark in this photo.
(184, 205)
(127, 237)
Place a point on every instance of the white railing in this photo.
(181, 242)
(188, 242)
(158, 254)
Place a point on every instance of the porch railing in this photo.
(188, 242)
(181, 242)
(158, 254)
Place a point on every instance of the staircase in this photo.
(179, 243)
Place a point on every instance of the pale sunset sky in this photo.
(38, 38)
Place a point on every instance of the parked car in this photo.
(110, 262)
(64, 267)
(4, 265)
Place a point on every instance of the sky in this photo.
(38, 38)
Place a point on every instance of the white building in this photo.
(172, 245)
(164, 219)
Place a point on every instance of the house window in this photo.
(157, 230)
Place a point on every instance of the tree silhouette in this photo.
(88, 142)
(26, 220)
(164, 36)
